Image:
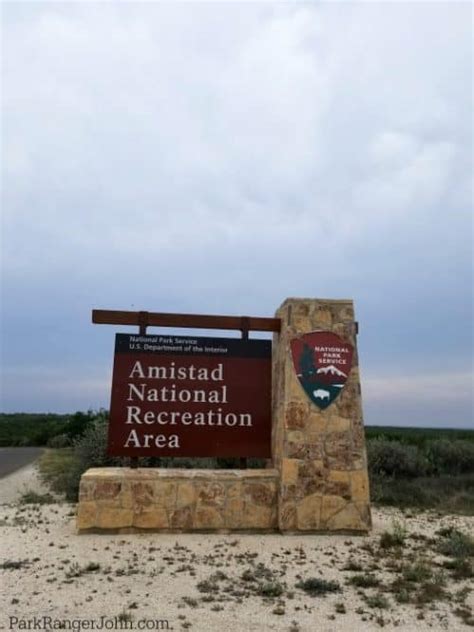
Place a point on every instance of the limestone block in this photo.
(107, 489)
(207, 517)
(330, 506)
(359, 485)
(317, 423)
(151, 518)
(296, 391)
(289, 471)
(260, 493)
(308, 513)
(86, 490)
(212, 494)
(338, 424)
(348, 518)
(234, 512)
(86, 515)
(301, 323)
(259, 517)
(287, 520)
(312, 449)
(142, 492)
(114, 517)
(186, 494)
(127, 498)
(182, 518)
(338, 484)
(322, 317)
(344, 313)
(165, 492)
(296, 414)
(234, 490)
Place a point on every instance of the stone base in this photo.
(127, 500)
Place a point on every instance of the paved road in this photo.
(12, 459)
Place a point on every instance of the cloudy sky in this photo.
(218, 158)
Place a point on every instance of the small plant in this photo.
(402, 595)
(125, 617)
(352, 565)
(31, 497)
(270, 589)
(315, 586)
(461, 569)
(74, 571)
(394, 538)
(340, 608)
(12, 565)
(465, 614)
(207, 586)
(364, 581)
(432, 590)
(377, 601)
(454, 543)
(248, 576)
(417, 572)
(190, 601)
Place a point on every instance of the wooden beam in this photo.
(191, 321)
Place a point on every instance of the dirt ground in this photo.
(211, 583)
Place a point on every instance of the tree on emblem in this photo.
(307, 367)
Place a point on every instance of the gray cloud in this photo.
(218, 158)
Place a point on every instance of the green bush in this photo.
(90, 450)
(455, 543)
(448, 494)
(395, 537)
(79, 422)
(315, 586)
(59, 441)
(451, 457)
(391, 458)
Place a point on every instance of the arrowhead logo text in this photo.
(322, 362)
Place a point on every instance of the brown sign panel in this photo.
(190, 396)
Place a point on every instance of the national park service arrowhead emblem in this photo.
(322, 362)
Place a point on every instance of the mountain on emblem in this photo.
(322, 362)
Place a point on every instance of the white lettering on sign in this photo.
(135, 415)
(173, 372)
(142, 392)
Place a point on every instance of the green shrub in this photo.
(316, 586)
(394, 538)
(31, 497)
(59, 441)
(447, 494)
(417, 572)
(451, 457)
(456, 544)
(391, 458)
(377, 601)
(364, 581)
(90, 450)
(270, 589)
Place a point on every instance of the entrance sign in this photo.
(190, 396)
(322, 361)
(197, 396)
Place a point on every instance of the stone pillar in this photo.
(320, 454)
